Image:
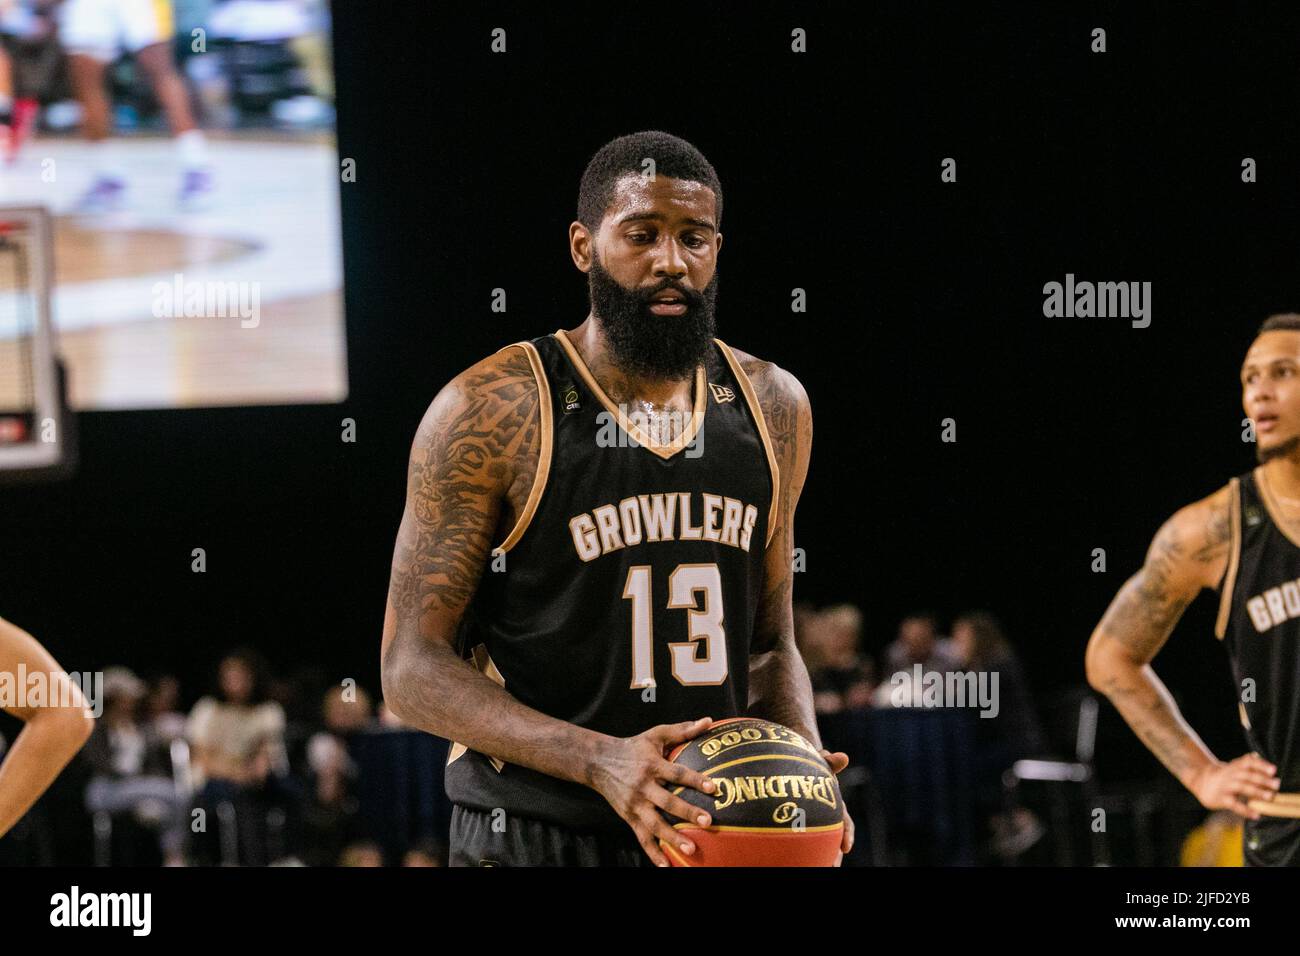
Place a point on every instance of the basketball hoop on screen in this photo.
(8, 231)
(36, 426)
(13, 429)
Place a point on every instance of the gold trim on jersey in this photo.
(1271, 505)
(755, 409)
(664, 451)
(1282, 805)
(544, 458)
(483, 661)
(1234, 553)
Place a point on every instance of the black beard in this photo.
(1284, 450)
(648, 345)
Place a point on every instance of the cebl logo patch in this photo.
(569, 395)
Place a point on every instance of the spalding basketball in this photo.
(777, 802)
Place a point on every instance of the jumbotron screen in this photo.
(187, 156)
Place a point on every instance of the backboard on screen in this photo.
(33, 417)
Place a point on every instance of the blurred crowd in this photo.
(304, 771)
(846, 679)
(259, 771)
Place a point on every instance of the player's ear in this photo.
(581, 246)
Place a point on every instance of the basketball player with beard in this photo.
(595, 556)
(1243, 540)
(53, 734)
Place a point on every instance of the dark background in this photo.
(925, 302)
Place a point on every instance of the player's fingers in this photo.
(846, 841)
(680, 733)
(838, 761)
(1249, 791)
(650, 845)
(1251, 773)
(1261, 779)
(663, 830)
(675, 805)
(676, 773)
(1242, 809)
(1255, 759)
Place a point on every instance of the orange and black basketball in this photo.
(777, 802)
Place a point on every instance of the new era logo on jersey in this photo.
(721, 393)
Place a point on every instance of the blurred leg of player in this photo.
(94, 32)
(21, 22)
(53, 733)
(157, 62)
(89, 33)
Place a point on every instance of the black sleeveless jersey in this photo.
(1259, 622)
(626, 594)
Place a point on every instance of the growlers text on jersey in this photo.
(631, 580)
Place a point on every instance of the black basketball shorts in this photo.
(479, 838)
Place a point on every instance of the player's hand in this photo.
(1232, 785)
(838, 762)
(631, 773)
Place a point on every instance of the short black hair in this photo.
(924, 614)
(1286, 321)
(673, 157)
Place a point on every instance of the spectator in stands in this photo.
(331, 819)
(427, 852)
(979, 645)
(131, 773)
(363, 853)
(237, 730)
(842, 678)
(162, 717)
(237, 742)
(918, 642)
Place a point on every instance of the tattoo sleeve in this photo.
(472, 465)
(476, 437)
(1182, 558)
(778, 679)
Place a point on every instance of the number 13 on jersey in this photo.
(702, 658)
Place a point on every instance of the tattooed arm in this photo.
(472, 466)
(779, 688)
(52, 735)
(1190, 552)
